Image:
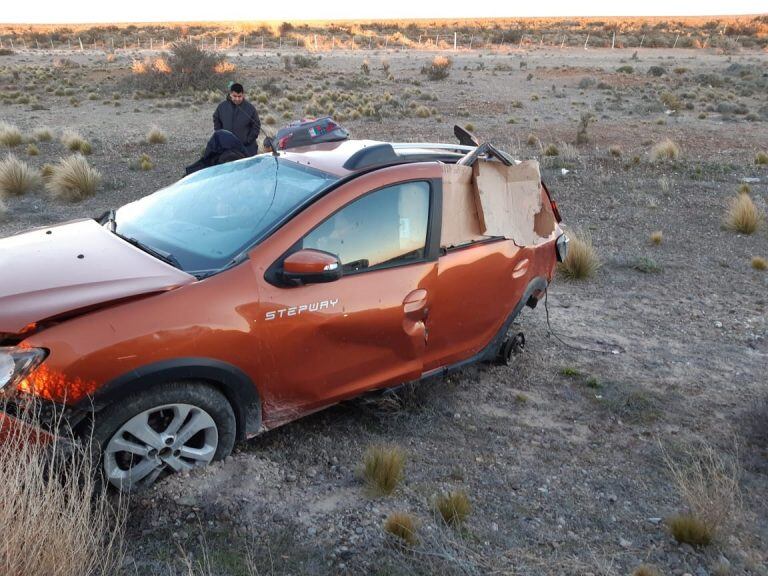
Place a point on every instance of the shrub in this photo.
(670, 101)
(301, 61)
(742, 214)
(439, 69)
(402, 526)
(156, 136)
(582, 137)
(744, 188)
(689, 529)
(33, 150)
(582, 260)
(17, 177)
(75, 142)
(365, 68)
(43, 134)
(657, 71)
(454, 507)
(10, 135)
(625, 69)
(646, 570)
(187, 67)
(383, 468)
(73, 179)
(54, 517)
(422, 112)
(759, 263)
(615, 150)
(761, 159)
(657, 237)
(665, 150)
(551, 150)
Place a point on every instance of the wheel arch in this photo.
(235, 384)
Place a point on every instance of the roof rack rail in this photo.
(461, 149)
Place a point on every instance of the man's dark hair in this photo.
(237, 88)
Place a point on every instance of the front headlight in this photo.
(16, 363)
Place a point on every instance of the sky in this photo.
(106, 11)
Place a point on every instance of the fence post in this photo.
(501, 42)
(642, 40)
(113, 44)
(521, 41)
(315, 42)
(437, 42)
(386, 42)
(370, 42)
(38, 44)
(162, 40)
(51, 39)
(586, 42)
(454, 41)
(281, 43)
(613, 42)
(262, 42)
(675, 44)
(471, 38)
(81, 43)
(151, 43)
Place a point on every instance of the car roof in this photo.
(346, 157)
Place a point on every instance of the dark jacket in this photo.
(243, 121)
(222, 147)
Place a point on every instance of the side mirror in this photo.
(311, 266)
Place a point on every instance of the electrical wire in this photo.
(610, 348)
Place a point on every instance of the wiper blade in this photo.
(166, 257)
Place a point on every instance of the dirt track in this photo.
(561, 453)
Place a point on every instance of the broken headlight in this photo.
(16, 363)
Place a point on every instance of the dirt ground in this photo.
(664, 351)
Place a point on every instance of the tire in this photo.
(170, 428)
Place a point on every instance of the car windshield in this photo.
(211, 216)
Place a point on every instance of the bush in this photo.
(73, 179)
(657, 71)
(439, 69)
(582, 260)
(10, 135)
(551, 150)
(187, 67)
(657, 237)
(689, 529)
(742, 214)
(454, 507)
(403, 526)
(383, 468)
(156, 136)
(301, 61)
(759, 263)
(43, 134)
(625, 70)
(761, 159)
(615, 150)
(665, 150)
(17, 177)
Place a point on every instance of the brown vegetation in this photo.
(383, 468)
(73, 179)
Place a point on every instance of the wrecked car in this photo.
(249, 294)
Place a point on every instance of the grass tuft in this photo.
(646, 570)
(742, 214)
(439, 69)
(43, 134)
(402, 526)
(454, 507)
(551, 150)
(759, 263)
(745, 189)
(156, 136)
(665, 150)
(383, 468)
(657, 237)
(75, 142)
(17, 177)
(761, 159)
(73, 179)
(615, 150)
(582, 260)
(10, 135)
(689, 529)
(32, 150)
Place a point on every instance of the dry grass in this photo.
(55, 520)
(646, 570)
(551, 150)
(156, 136)
(745, 189)
(17, 177)
(383, 468)
(454, 507)
(708, 483)
(439, 68)
(75, 142)
(759, 263)
(690, 529)
(43, 134)
(582, 260)
(657, 237)
(10, 135)
(403, 526)
(33, 150)
(665, 150)
(742, 214)
(761, 159)
(615, 150)
(73, 179)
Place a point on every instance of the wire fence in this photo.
(449, 41)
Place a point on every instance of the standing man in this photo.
(239, 117)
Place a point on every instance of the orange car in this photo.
(249, 294)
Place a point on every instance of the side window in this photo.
(384, 228)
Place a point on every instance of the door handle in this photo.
(414, 304)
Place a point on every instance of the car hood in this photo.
(77, 265)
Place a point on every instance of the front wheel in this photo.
(170, 428)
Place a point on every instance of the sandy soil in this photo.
(561, 453)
